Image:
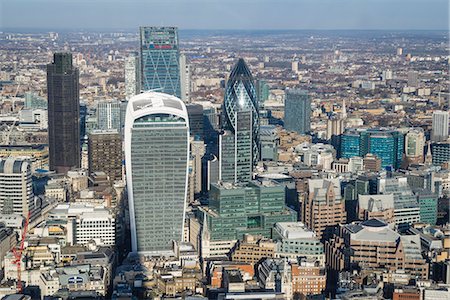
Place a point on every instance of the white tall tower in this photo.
(157, 166)
(132, 76)
(185, 78)
(440, 125)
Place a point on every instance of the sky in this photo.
(225, 14)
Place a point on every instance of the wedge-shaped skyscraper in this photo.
(156, 159)
(160, 60)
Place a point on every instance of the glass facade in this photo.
(297, 111)
(387, 145)
(156, 151)
(440, 153)
(63, 113)
(109, 115)
(160, 60)
(254, 208)
(428, 207)
(236, 150)
(350, 145)
(240, 95)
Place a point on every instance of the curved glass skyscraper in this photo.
(240, 96)
(156, 160)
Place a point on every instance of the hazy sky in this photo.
(226, 14)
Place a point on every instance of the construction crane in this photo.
(17, 252)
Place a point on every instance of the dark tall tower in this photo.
(240, 96)
(63, 113)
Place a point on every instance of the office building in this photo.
(195, 113)
(269, 143)
(324, 207)
(105, 153)
(240, 97)
(132, 76)
(415, 145)
(109, 115)
(185, 79)
(440, 153)
(406, 207)
(251, 249)
(198, 149)
(16, 188)
(63, 113)
(428, 203)
(371, 163)
(440, 126)
(373, 245)
(83, 223)
(297, 111)
(34, 101)
(238, 209)
(376, 206)
(308, 278)
(235, 150)
(160, 60)
(262, 91)
(295, 240)
(386, 144)
(156, 159)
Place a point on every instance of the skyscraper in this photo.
(297, 111)
(16, 187)
(63, 113)
(108, 115)
(235, 150)
(132, 76)
(157, 166)
(240, 96)
(440, 125)
(160, 60)
(105, 153)
(185, 79)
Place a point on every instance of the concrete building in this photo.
(109, 115)
(105, 153)
(376, 206)
(373, 245)
(324, 207)
(440, 126)
(84, 223)
(16, 188)
(132, 76)
(252, 249)
(295, 241)
(308, 277)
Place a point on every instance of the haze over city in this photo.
(254, 149)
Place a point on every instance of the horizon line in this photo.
(46, 29)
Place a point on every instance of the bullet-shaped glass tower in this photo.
(240, 96)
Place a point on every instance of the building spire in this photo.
(428, 157)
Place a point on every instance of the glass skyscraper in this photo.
(157, 165)
(63, 113)
(297, 111)
(160, 60)
(240, 96)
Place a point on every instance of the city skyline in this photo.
(303, 14)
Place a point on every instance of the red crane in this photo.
(18, 254)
